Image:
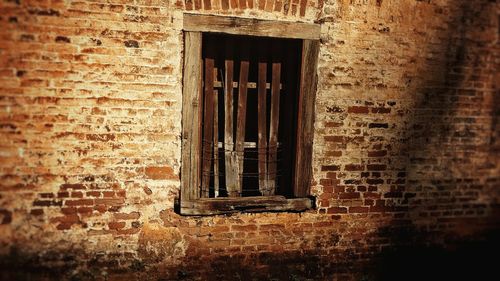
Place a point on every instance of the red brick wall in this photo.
(406, 142)
(285, 7)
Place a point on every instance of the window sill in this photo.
(226, 205)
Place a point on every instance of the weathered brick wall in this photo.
(406, 145)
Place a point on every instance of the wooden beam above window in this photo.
(252, 27)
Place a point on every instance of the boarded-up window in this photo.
(248, 110)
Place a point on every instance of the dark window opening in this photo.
(235, 161)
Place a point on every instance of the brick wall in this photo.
(406, 143)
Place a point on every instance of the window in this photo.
(248, 112)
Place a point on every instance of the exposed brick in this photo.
(377, 153)
(116, 225)
(36, 212)
(372, 195)
(349, 195)
(93, 194)
(46, 195)
(68, 211)
(68, 219)
(46, 203)
(160, 173)
(381, 110)
(63, 194)
(80, 202)
(125, 216)
(393, 194)
(374, 181)
(359, 209)
(131, 44)
(62, 39)
(333, 153)
(335, 138)
(330, 168)
(354, 167)
(108, 194)
(77, 194)
(243, 228)
(336, 210)
(378, 125)
(358, 109)
(85, 210)
(333, 124)
(376, 167)
(331, 175)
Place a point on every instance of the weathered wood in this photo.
(273, 128)
(250, 85)
(231, 168)
(305, 125)
(224, 205)
(207, 126)
(262, 128)
(255, 27)
(191, 117)
(216, 143)
(247, 144)
(241, 121)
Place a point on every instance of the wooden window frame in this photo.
(194, 25)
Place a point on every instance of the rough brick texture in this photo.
(406, 144)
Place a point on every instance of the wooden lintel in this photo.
(225, 205)
(252, 27)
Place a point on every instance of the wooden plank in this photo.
(305, 125)
(247, 144)
(207, 126)
(225, 205)
(231, 169)
(191, 117)
(216, 143)
(273, 128)
(247, 26)
(241, 122)
(262, 128)
(250, 85)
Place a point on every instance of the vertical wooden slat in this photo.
(273, 127)
(207, 125)
(191, 117)
(241, 121)
(231, 167)
(305, 128)
(262, 134)
(216, 143)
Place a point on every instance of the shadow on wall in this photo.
(466, 261)
(452, 226)
(453, 163)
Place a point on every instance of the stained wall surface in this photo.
(406, 143)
